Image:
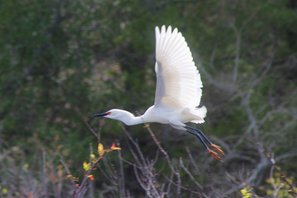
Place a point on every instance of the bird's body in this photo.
(164, 115)
(178, 91)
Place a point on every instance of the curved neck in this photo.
(132, 120)
(128, 118)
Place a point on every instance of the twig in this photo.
(192, 160)
(157, 142)
(87, 123)
(66, 168)
(237, 52)
(81, 189)
(191, 176)
(121, 175)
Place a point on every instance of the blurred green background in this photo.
(61, 61)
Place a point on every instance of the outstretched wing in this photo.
(178, 80)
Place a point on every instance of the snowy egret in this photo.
(178, 91)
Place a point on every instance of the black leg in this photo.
(199, 137)
(201, 134)
(210, 147)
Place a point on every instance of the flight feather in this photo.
(178, 80)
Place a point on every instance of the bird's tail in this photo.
(200, 114)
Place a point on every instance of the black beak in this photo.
(100, 114)
(97, 115)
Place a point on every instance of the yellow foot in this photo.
(217, 148)
(214, 154)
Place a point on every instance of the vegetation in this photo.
(61, 61)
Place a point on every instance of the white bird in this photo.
(178, 91)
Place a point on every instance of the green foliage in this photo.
(246, 192)
(284, 185)
(61, 61)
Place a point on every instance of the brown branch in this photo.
(157, 142)
(121, 176)
(192, 177)
(82, 187)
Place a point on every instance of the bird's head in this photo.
(108, 114)
(116, 114)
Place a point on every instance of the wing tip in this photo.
(157, 29)
(166, 29)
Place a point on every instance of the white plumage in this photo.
(178, 80)
(177, 75)
(178, 91)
